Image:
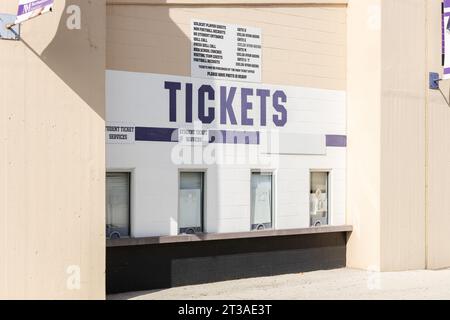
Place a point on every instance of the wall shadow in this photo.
(77, 56)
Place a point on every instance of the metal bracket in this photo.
(9, 34)
(434, 80)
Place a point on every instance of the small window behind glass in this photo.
(319, 199)
(117, 205)
(261, 201)
(191, 202)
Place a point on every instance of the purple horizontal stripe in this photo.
(156, 134)
(336, 141)
(33, 5)
(215, 136)
(446, 70)
(221, 136)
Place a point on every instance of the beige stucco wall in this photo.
(52, 123)
(52, 155)
(398, 152)
(304, 44)
(364, 131)
(402, 158)
(438, 161)
(386, 130)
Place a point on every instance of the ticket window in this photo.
(191, 202)
(117, 205)
(319, 199)
(261, 201)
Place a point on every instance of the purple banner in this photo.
(336, 141)
(29, 9)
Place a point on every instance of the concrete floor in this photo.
(335, 284)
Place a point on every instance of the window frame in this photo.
(203, 202)
(129, 174)
(272, 173)
(329, 195)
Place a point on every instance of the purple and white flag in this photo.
(446, 38)
(29, 9)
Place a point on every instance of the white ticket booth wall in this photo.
(223, 116)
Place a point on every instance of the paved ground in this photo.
(335, 284)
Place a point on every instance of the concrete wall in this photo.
(398, 151)
(386, 128)
(52, 156)
(303, 45)
(364, 131)
(52, 123)
(438, 147)
(402, 157)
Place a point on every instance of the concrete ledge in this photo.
(225, 236)
(255, 254)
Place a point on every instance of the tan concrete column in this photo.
(363, 130)
(386, 131)
(404, 81)
(52, 156)
(438, 161)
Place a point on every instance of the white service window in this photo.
(318, 199)
(261, 201)
(117, 205)
(191, 202)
